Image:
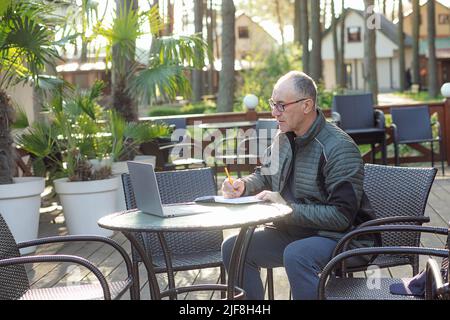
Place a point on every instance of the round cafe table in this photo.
(246, 217)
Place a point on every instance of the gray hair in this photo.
(304, 85)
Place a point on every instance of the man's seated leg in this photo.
(304, 259)
(265, 251)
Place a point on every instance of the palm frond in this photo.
(160, 78)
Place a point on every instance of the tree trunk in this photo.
(342, 83)
(316, 37)
(297, 13)
(197, 75)
(415, 36)
(304, 34)
(225, 98)
(401, 48)
(335, 44)
(123, 62)
(432, 62)
(280, 21)
(370, 56)
(210, 39)
(6, 151)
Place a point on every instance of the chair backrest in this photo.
(398, 191)
(13, 279)
(413, 123)
(266, 128)
(356, 111)
(176, 187)
(176, 124)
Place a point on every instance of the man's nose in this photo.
(275, 112)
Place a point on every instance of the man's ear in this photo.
(309, 106)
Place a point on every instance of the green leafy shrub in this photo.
(194, 108)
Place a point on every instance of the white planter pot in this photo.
(121, 167)
(19, 206)
(84, 202)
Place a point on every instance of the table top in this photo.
(224, 125)
(218, 217)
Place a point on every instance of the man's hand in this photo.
(233, 191)
(271, 196)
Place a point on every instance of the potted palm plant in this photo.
(27, 44)
(79, 148)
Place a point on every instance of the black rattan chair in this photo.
(413, 125)
(356, 115)
(342, 288)
(247, 150)
(14, 283)
(397, 195)
(181, 151)
(189, 250)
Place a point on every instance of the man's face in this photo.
(292, 118)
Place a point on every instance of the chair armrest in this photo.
(395, 219)
(380, 120)
(326, 272)
(61, 258)
(344, 242)
(336, 118)
(57, 239)
(394, 132)
(434, 276)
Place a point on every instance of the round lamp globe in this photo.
(250, 101)
(445, 90)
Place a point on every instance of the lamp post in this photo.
(445, 90)
(250, 102)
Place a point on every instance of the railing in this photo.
(441, 108)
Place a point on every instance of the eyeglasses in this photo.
(281, 107)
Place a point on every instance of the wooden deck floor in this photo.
(52, 223)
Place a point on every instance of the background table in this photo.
(217, 217)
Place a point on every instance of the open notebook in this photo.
(221, 199)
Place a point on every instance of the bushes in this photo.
(196, 108)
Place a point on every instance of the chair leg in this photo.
(223, 280)
(135, 293)
(432, 154)
(373, 152)
(270, 291)
(442, 155)
(384, 151)
(397, 158)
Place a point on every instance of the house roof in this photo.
(422, 3)
(388, 28)
(240, 13)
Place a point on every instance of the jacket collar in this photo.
(317, 125)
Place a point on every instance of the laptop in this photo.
(146, 193)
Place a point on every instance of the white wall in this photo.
(22, 95)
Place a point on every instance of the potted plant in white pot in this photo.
(75, 135)
(27, 44)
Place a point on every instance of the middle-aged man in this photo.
(314, 167)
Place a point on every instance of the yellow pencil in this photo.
(230, 180)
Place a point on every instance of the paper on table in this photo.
(221, 199)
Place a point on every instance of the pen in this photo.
(230, 180)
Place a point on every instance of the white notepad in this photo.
(221, 199)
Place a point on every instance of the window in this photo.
(444, 19)
(243, 33)
(354, 34)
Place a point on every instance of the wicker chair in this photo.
(14, 283)
(247, 150)
(342, 288)
(413, 125)
(356, 115)
(189, 250)
(397, 195)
